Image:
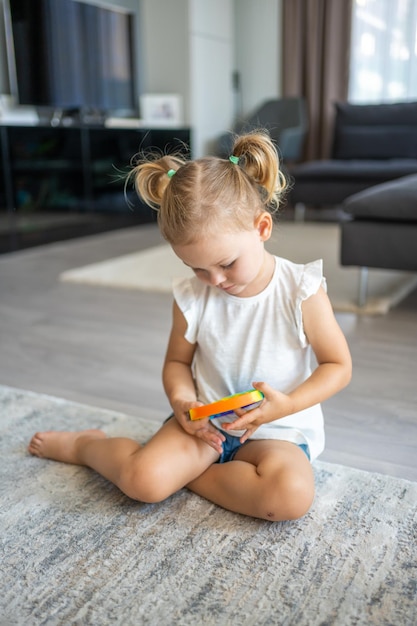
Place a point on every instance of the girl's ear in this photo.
(264, 224)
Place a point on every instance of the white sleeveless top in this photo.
(260, 338)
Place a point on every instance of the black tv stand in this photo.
(68, 180)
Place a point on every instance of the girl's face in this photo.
(235, 262)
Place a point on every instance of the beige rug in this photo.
(154, 268)
(75, 551)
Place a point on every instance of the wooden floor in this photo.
(105, 347)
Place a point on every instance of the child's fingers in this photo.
(248, 433)
(247, 419)
(212, 439)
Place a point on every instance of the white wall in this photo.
(188, 49)
(211, 57)
(165, 48)
(258, 55)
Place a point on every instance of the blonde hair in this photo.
(206, 194)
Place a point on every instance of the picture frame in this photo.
(162, 110)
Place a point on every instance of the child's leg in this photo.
(149, 473)
(269, 479)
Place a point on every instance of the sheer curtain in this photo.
(383, 64)
(316, 42)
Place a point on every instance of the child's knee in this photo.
(290, 498)
(299, 497)
(143, 481)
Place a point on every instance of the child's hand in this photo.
(274, 406)
(203, 429)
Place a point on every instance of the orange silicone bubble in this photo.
(227, 404)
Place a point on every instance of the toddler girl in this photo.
(247, 319)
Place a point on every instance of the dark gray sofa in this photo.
(382, 229)
(372, 144)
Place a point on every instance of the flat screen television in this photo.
(71, 55)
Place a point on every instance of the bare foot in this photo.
(61, 446)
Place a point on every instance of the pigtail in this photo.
(258, 157)
(151, 177)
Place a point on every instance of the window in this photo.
(383, 66)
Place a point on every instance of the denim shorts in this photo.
(232, 445)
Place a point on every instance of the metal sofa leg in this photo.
(363, 286)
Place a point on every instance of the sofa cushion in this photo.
(395, 200)
(375, 131)
(375, 142)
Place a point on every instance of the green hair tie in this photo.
(234, 159)
(170, 173)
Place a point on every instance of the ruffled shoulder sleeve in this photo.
(188, 296)
(311, 279)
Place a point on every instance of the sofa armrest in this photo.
(392, 201)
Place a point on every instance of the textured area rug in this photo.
(154, 269)
(74, 550)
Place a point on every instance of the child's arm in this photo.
(331, 350)
(333, 371)
(179, 384)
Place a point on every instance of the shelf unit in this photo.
(63, 182)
